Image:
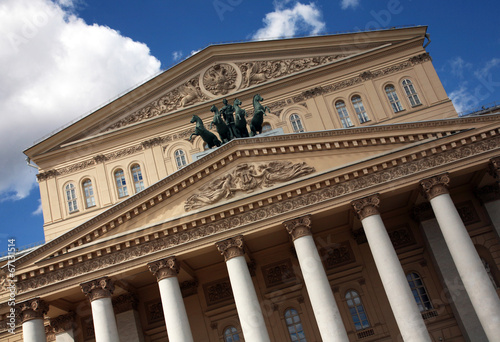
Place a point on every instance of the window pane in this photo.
(393, 98)
(360, 109)
(180, 159)
(419, 292)
(71, 198)
(137, 177)
(121, 184)
(411, 93)
(357, 310)
(296, 123)
(343, 114)
(88, 192)
(294, 325)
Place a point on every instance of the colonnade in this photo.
(408, 317)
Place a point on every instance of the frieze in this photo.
(246, 178)
(311, 198)
(221, 79)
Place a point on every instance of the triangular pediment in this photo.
(311, 169)
(228, 70)
(255, 170)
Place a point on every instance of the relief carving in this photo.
(337, 255)
(246, 178)
(220, 79)
(218, 291)
(278, 273)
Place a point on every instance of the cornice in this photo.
(223, 156)
(340, 184)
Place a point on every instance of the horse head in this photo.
(257, 98)
(194, 118)
(237, 102)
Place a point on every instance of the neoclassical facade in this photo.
(366, 210)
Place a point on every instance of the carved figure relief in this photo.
(246, 178)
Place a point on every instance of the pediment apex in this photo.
(221, 70)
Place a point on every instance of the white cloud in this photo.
(484, 72)
(345, 4)
(287, 22)
(459, 66)
(176, 55)
(55, 68)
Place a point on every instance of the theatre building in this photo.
(364, 209)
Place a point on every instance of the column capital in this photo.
(32, 309)
(495, 167)
(232, 247)
(165, 268)
(435, 186)
(63, 323)
(366, 206)
(98, 288)
(299, 227)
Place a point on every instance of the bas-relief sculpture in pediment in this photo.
(222, 79)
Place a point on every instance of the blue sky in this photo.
(60, 59)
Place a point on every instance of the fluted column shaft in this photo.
(318, 287)
(32, 312)
(248, 306)
(99, 292)
(474, 277)
(176, 319)
(410, 322)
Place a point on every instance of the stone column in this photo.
(318, 287)
(31, 313)
(247, 304)
(99, 292)
(127, 318)
(176, 319)
(63, 327)
(474, 277)
(489, 195)
(408, 317)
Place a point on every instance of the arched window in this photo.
(393, 98)
(411, 93)
(266, 127)
(121, 184)
(343, 114)
(231, 334)
(360, 109)
(419, 292)
(71, 198)
(88, 193)
(357, 310)
(180, 159)
(137, 178)
(294, 326)
(296, 123)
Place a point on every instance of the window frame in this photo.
(361, 115)
(294, 324)
(296, 122)
(416, 292)
(357, 313)
(344, 117)
(139, 181)
(232, 333)
(71, 203)
(91, 196)
(393, 99)
(178, 156)
(411, 93)
(123, 186)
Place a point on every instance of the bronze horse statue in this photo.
(239, 118)
(208, 137)
(258, 115)
(222, 128)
